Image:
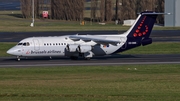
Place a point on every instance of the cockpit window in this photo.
(27, 44)
(24, 44)
(19, 44)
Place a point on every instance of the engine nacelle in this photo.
(146, 41)
(71, 48)
(84, 48)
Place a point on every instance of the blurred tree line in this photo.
(100, 10)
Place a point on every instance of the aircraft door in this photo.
(36, 44)
(22, 50)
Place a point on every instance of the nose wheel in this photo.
(18, 58)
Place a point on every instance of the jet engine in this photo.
(84, 48)
(71, 47)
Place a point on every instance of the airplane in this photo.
(87, 46)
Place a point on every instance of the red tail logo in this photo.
(138, 32)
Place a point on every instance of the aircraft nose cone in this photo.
(10, 51)
(14, 51)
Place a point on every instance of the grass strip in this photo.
(97, 83)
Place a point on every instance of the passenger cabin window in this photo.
(52, 44)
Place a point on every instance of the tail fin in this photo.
(140, 31)
(143, 25)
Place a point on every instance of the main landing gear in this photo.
(74, 57)
(87, 58)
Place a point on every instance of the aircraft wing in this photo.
(97, 39)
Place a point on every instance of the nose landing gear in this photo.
(18, 58)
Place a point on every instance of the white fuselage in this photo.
(57, 46)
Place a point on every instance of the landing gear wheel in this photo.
(87, 58)
(18, 58)
(74, 57)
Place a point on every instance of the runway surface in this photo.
(107, 60)
(157, 36)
